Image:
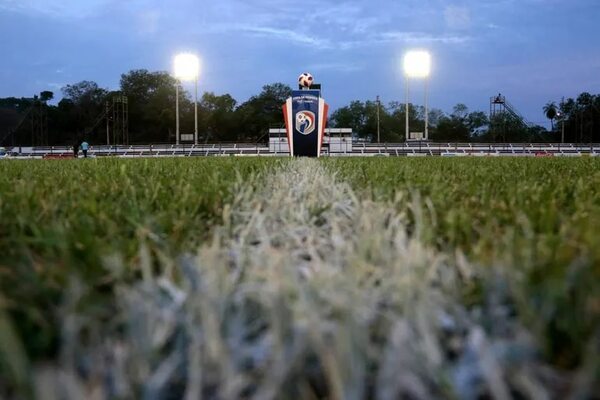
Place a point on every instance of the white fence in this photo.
(411, 149)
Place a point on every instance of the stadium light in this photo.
(417, 64)
(187, 68)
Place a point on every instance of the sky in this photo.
(532, 51)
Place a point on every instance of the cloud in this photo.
(286, 34)
(336, 67)
(57, 8)
(393, 37)
(457, 17)
(267, 32)
(148, 22)
(339, 42)
(424, 38)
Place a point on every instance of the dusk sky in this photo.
(532, 51)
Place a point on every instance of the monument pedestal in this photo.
(305, 115)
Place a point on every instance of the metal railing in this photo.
(365, 149)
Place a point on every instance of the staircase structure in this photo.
(500, 106)
(503, 114)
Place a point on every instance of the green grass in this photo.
(539, 219)
(64, 219)
(449, 277)
(476, 203)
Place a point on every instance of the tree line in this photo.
(576, 118)
(151, 115)
(151, 112)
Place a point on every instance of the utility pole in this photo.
(426, 109)
(107, 105)
(406, 110)
(196, 115)
(562, 136)
(177, 112)
(378, 125)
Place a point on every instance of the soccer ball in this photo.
(305, 80)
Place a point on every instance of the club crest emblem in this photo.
(305, 122)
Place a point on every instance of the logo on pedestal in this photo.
(305, 122)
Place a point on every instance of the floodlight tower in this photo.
(417, 64)
(186, 68)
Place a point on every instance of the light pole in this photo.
(427, 108)
(562, 120)
(177, 135)
(187, 68)
(406, 110)
(378, 126)
(417, 64)
(196, 112)
(107, 109)
(562, 135)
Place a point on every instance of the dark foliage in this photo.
(79, 114)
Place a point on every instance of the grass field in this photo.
(539, 216)
(66, 221)
(276, 278)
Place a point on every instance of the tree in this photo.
(362, 119)
(84, 93)
(509, 128)
(551, 112)
(460, 111)
(143, 85)
(276, 93)
(477, 122)
(435, 115)
(461, 125)
(451, 129)
(580, 116)
(83, 103)
(46, 96)
(219, 120)
(351, 116)
(263, 111)
(416, 119)
(152, 115)
(152, 106)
